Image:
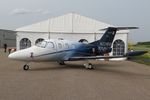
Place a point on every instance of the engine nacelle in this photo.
(103, 50)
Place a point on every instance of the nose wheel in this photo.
(26, 67)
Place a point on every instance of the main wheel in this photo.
(61, 62)
(26, 67)
(88, 66)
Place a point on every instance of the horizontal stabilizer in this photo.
(121, 28)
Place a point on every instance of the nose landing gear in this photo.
(26, 67)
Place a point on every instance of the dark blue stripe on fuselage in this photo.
(75, 52)
(54, 53)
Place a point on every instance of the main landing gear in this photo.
(26, 67)
(61, 62)
(88, 66)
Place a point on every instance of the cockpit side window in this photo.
(50, 45)
(42, 44)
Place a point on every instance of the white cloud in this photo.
(46, 12)
(23, 11)
(38, 11)
(20, 11)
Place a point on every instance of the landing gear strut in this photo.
(26, 67)
(88, 66)
(61, 62)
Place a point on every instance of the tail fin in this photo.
(108, 37)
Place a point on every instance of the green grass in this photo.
(144, 59)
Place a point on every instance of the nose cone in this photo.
(22, 55)
(18, 55)
(12, 56)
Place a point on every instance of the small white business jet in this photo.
(64, 50)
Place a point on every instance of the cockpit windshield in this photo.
(42, 44)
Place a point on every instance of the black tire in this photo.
(91, 66)
(61, 63)
(26, 67)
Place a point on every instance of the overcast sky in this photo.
(18, 13)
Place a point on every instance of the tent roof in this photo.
(68, 23)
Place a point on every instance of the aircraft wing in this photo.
(129, 54)
(93, 57)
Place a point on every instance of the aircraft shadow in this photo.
(99, 68)
(68, 66)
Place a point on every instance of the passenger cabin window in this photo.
(73, 46)
(42, 44)
(66, 45)
(59, 45)
(50, 45)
